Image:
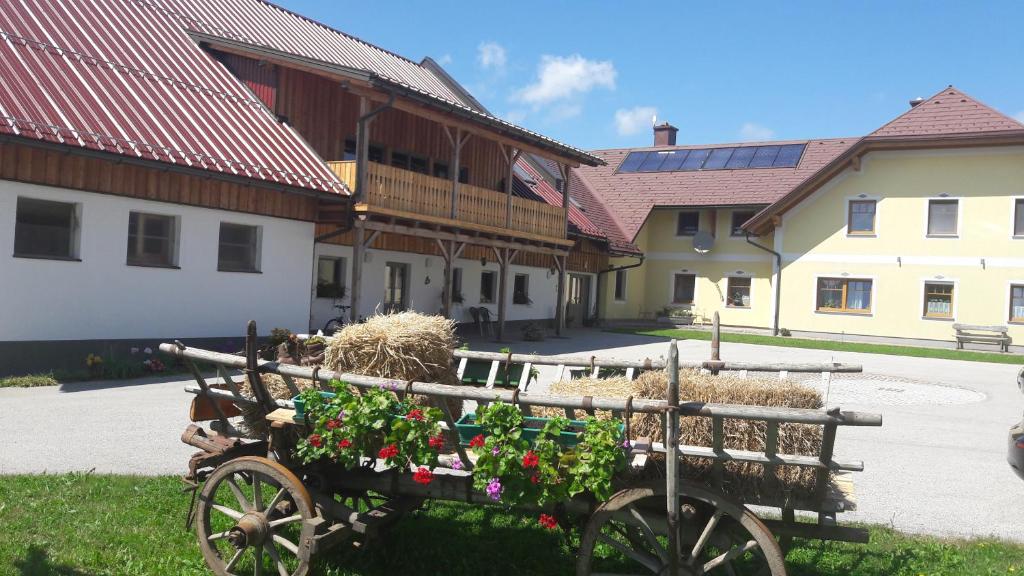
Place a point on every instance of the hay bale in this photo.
(741, 479)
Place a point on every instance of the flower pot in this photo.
(477, 371)
(300, 405)
(532, 425)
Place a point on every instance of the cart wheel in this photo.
(628, 535)
(250, 519)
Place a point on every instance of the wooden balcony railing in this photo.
(412, 193)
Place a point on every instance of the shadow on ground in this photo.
(37, 563)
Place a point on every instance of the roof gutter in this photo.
(778, 281)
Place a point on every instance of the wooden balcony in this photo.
(410, 195)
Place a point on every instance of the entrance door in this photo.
(577, 308)
(396, 287)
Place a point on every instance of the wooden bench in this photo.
(982, 335)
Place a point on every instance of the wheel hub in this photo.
(252, 530)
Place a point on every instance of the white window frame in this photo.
(672, 286)
(1013, 216)
(625, 286)
(739, 274)
(258, 268)
(865, 198)
(955, 282)
(959, 215)
(75, 248)
(846, 276)
(175, 239)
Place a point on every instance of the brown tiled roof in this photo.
(629, 198)
(948, 112)
(597, 212)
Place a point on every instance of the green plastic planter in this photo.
(477, 371)
(300, 405)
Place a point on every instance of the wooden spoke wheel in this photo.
(250, 519)
(628, 534)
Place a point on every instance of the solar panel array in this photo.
(735, 158)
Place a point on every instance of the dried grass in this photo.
(742, 479)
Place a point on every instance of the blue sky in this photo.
(593, 73)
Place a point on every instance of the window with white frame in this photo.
(152, 240)
(46, 229)
(620, 285)
(330, 277)
(942, 217)
(938, 299)
(683, 288)
(239, 248)
(1017, 303)
(737, 292)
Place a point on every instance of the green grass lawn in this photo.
(79, 525)
(892, 349)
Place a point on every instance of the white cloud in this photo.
(633, 120)
(755, 131)
(491, 56)
(1019, 116)
(559, 78)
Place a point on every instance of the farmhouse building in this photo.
(899, 233)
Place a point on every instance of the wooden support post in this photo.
(716, 342)
(560, 299)
(672, 458)
(502, 255)
(448, 255)
(358, 246)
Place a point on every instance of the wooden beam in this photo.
(448, 249)
(474, 240)
(502, 255)
(560, 299)
(358, 247)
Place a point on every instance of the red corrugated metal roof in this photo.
(114, 76)
(547, 192)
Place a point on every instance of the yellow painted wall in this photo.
(900, 256)
(649, 287)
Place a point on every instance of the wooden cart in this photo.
(257, 509)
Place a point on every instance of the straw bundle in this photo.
(741, 479)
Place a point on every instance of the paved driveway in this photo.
(937, 465)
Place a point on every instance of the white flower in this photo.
(148, 350)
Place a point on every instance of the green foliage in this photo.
(28, 381)
(375, 424)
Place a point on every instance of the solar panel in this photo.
(673, 160)
(695, 159)
(632, 161)
(764, 157)
(789, 156)
(741, 157)
(653, 162)
(718, 158)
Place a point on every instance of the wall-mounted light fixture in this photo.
(368, 257)
(427, 280)
(483, 261)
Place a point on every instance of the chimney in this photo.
(665, 134)
(916, 101)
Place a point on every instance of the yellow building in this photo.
(900, 233)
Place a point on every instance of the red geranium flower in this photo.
(437, 442)
(549, 522)
(534, 479)
(344, 443)
(414, 414)
(315, 440)
(332, 424)
(389, 451)
(530, 460)
(477, 441)
(423, 476)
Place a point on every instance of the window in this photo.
(738, 218)
(687, 223)
(239, 248)
(521, 289)
(457, 296)
(464, 175)
(400, 160)
(938, 300)
(1018, 217)
(861, 217)
(350, 149)
(419, 164)
(682, 288)
(737, 292)
(330, 277)
(487, 282)
(620, 285)
(1017, 303)
(151, 239)
(376, 154)
(396, 286)
(942, 217)
(46, 229)
(844, 295)
(440, 170)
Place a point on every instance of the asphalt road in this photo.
(937, 466)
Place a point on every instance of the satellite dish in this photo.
(703, 241)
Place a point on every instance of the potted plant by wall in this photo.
(678, 315)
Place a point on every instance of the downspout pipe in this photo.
(609, 270)
(778, 281)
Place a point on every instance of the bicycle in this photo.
(339, 321)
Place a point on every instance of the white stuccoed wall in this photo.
(427, 297)
(102, 297)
